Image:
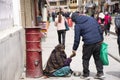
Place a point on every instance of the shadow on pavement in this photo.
(114, 73)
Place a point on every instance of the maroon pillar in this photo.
(33, 53)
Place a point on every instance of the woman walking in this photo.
(60, 24)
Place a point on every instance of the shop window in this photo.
(53, 3)
(73, 1)
(63, 2)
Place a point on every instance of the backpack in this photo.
(117, 21)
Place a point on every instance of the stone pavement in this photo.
(112, 41)
(112, 72)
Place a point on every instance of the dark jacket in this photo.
(88, 28)
(117, 24)
(57, 60)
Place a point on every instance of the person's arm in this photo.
(76, 41)
(55, 23)
(76, 37)
(73, 54)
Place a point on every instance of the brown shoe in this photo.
(99, 76)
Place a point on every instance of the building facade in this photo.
(80, 5)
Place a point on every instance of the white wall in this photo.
(6, 14)
(11, 53)
(16, 13)
(12, 40)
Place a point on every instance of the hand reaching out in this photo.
(73, 54)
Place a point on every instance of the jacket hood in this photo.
(81, 19)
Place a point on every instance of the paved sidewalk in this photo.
(112, 72)
(113, 48)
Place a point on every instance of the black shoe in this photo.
(99, 76)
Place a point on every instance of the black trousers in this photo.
(107, 29)
(88, 51)
(61, 36)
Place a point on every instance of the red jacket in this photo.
(106, 19)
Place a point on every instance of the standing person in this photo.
(101, 20)
(48, 16)
(107, 22)
(91, 33)
(53, 16)
(66, 14)
(60, 24)
(117, 29)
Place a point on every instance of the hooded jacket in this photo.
(88, 28)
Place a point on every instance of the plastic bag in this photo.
(69, 21)
(104, 53)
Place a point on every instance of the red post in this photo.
(33, 53)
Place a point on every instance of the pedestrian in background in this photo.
(117, 29)
(107, 23)
(101, 20)
(91, 33)
(53, 15)
(66, 13)
(60, 24)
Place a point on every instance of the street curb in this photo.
(114, 57)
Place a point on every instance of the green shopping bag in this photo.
(104, 53)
